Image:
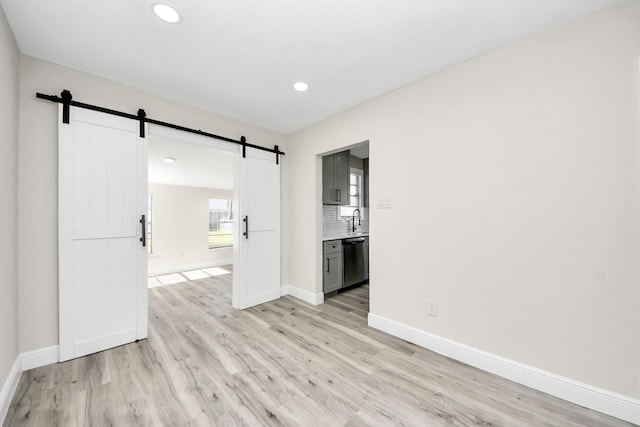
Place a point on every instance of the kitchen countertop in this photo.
(344, 236)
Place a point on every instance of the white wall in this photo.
(513, 180)
(9, 61)
(181, 229)
(37, 199)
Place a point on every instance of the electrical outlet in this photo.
(432, 308)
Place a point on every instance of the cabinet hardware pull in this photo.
(328, 265)
(246, 226)
(143, 239)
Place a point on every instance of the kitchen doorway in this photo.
(345, 225)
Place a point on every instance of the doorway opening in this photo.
(190, 217)
(251, 199)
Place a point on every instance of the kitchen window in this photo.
(220, 223)
(355, 193)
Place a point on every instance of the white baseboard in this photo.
(36, 358)
(607, 402)
(180, 269)
(24, 362)
(301, 294)
(9, 388)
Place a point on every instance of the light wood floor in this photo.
(282, 363)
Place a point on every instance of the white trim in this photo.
(607, 402)
(306, 296)
(37, 358)
(9, 388)
(180, 269)
(24, 362)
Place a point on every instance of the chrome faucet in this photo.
(353, 218)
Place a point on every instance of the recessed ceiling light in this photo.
(170, 159)
(166, 13)
(301, 86)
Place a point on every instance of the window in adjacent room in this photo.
(220, 223)
(355, 193)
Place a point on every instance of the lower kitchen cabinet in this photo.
(332, 272)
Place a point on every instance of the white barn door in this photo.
(257, 273)
(102, 260)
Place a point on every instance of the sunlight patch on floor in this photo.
(216, 271)
(185, 276)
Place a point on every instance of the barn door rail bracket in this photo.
(66, 99)
(142, 116)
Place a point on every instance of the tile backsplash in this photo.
(334, 225)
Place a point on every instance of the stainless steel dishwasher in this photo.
(354, 261)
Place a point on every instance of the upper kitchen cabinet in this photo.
(335, 178)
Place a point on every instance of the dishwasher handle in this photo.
(353, 241)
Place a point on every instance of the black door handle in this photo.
(246, 226)
(143, 239)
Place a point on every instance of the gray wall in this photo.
(9, 56)
(513, 181)
(181, 229)
(8, 192)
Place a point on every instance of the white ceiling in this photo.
(240, 58)
(196, 165)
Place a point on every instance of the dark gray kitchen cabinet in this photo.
(332, 273)
(366, 257)
(365, 183)
(335, 179)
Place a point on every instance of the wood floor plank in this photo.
(283, 363)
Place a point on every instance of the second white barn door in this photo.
(257, 274)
